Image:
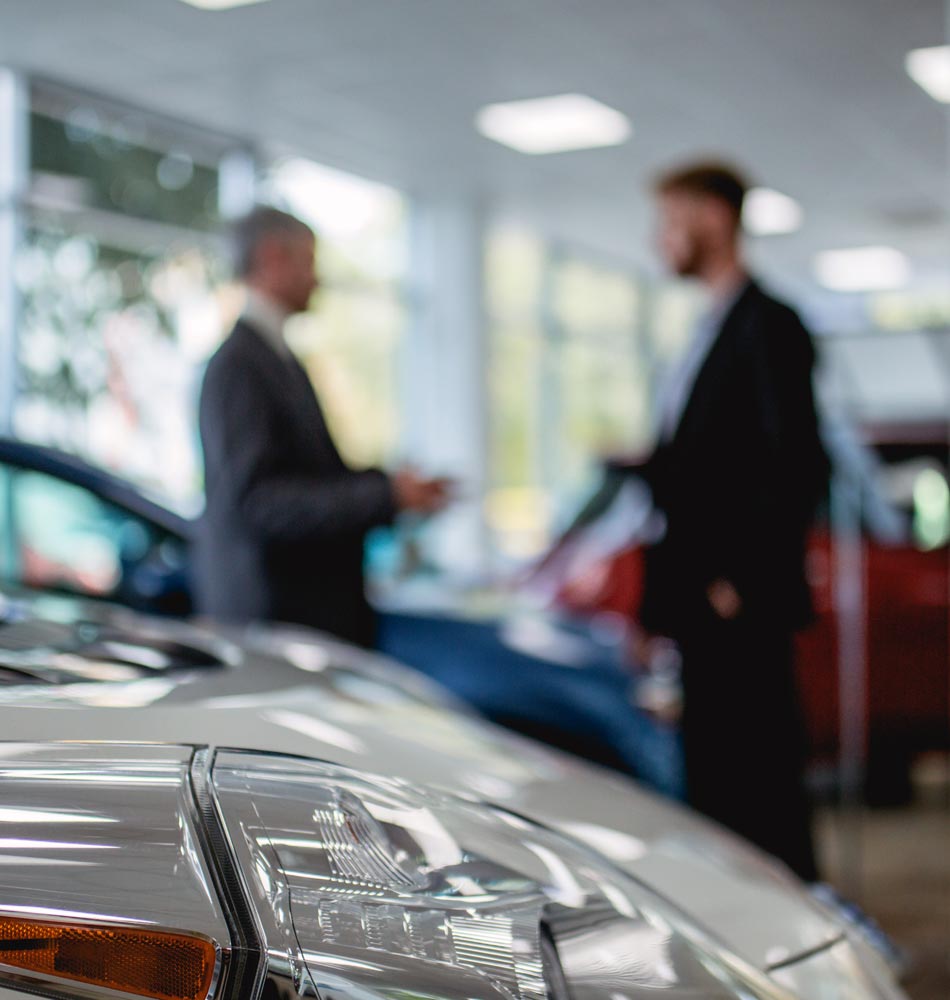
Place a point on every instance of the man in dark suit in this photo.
(737, 473)
(281, 538)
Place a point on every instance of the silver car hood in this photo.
(292, 691)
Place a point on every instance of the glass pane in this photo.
(518, 506)
(588, 299)
(673, 311)
(601, 387)
(514, 273)
(121, 277)
(9, 566)
(64, 536)
(569, 382)
(362, 225)
(96, 160)
(604, 409)
(352, 339)
(110, 345)
(931, 509)
(350, 347)
(918, 309)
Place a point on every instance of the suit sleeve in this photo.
(241, 438)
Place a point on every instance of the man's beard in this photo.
(301, 303)
(690, 265)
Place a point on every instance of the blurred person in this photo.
(736, 474)
(281, 538)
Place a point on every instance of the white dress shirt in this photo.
(267, 318)
(678, 387)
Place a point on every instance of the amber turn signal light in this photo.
(138, 960)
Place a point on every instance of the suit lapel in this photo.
(709, 380)
(310, 405)
(293, 392)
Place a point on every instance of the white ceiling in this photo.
(810, 95)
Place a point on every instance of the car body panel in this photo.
(290, 691)
(102, 836)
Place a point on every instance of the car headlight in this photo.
(389, 891)
(169, 872)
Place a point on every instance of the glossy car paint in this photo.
(104, 835)
(289, 692)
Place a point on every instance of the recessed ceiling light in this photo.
(930, 69)
(770, 213)
(862, 269)
(553, 124)
(220, 4)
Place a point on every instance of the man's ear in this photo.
(268, 253)
(720, 217)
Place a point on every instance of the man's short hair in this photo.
(717, 180)
(259, 224)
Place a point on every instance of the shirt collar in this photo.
(721, 305)
(679, 384)
(267, 318)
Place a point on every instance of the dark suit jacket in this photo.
(282, 535)
(740, 478)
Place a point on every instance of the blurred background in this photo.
(492, 307)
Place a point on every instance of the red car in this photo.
(902, 650)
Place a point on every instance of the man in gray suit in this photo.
(282, 535)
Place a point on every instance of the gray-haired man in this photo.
(282, 535)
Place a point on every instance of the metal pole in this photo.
(851, 608)
(14, 179)
(237, 183)
(946, 122)
(445, 368)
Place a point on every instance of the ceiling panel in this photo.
(810, 95)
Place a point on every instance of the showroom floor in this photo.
(903, 879)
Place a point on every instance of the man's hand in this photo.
(658, 666)
(724, 599)
(413, 492)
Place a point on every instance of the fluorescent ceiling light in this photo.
(770, 213)
(930, 69)
(220, 4)
(862, 269)
(553, 124)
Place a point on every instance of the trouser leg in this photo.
(744, 741)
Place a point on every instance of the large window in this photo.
(121, 289)
(350, 341)
(125, 289)
(603, 398)
(576, 347)
(518, 508)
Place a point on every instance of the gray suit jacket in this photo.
(281, 538)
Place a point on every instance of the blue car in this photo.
(72, 527)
